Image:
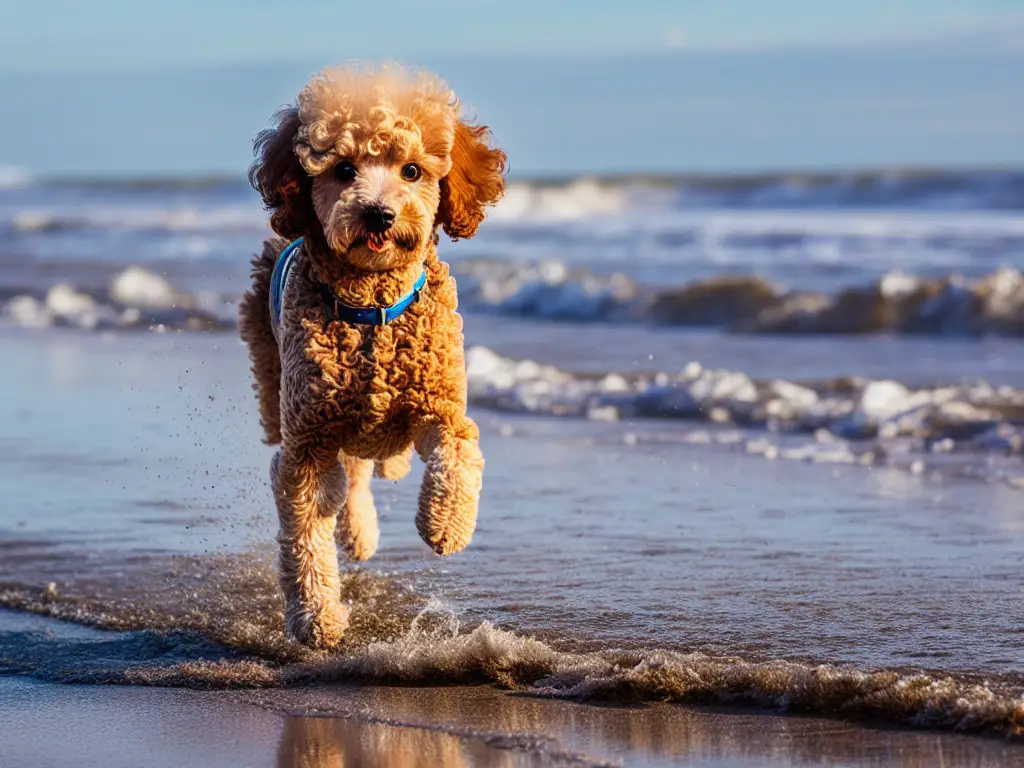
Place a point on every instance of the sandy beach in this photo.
(392, 727)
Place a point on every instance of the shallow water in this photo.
(137, 486)
(584, 537)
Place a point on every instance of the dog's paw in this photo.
(450, 495)
(320, 630)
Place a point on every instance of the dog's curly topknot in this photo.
(343, 111)
(357, 108)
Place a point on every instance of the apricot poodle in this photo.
(351, 323)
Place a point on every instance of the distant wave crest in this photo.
(12, 177)
(218, 219)
(551, 290)
(926, 190)
(896, 303)
(572, 197)
(134, 299)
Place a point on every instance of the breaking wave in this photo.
(848, 420)
(139, 220)
(134, 299)
(580, 199)
(225, 630)
(944, 189)
(12, 177)
(896, 303)
(923, 189)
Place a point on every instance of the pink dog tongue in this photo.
(375, 243)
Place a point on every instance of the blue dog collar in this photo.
(371, 315)
(279, 277)
(339, 311)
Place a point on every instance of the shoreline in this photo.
(114, 726)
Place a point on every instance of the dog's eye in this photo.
(411, 172)
(344, 171)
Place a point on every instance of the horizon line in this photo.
(820, 173)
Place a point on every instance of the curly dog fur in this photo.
(345, 400)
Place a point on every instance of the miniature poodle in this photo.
(351, 323)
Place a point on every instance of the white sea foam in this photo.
(77, 309)
(136, 298)
(897, 302)
(12, 177)
(863, 421)
(437, 650)
(580, 199)
(136, 218)
(27, 312)
(138, 287)
(547, 289)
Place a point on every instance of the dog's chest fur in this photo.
(367, 388)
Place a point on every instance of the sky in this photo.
(113, 87)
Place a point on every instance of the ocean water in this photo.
(935, 253)
(696, 512)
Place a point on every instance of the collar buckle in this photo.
(377, 316)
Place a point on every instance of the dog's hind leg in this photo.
(254, 326)
(396, 467)
(450, 493)
(309, 488)
(357, 531)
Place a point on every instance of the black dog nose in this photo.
(378, 219)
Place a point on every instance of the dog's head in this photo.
(371, 162)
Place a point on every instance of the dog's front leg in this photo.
(450, 493)
(309, 488)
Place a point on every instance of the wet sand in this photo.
(73, 726)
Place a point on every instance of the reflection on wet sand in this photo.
(331, 742)
(483, 726)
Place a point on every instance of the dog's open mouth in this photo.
(376, 241)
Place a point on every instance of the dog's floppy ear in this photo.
(475, 180)
(280, 179)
